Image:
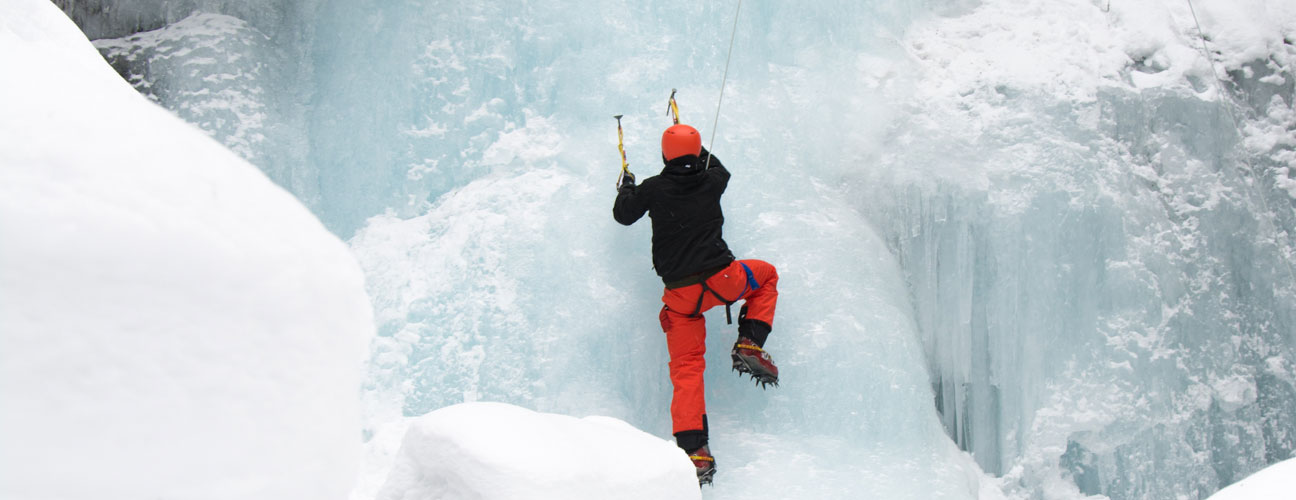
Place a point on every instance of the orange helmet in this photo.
(681, 140)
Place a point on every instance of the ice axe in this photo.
(625, 165)
(673, 110)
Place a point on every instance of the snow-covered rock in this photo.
(172, 324)
(498, 451)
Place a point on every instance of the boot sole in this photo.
(757, 372)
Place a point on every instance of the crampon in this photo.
(750, 359)
(704, 463)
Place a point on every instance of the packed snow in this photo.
(1033, 248)
(173, 325)
(1275, 482)
(494, 451)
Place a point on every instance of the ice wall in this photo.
(396, 103)
(240, 70)
(1100, 259)
(520, 288)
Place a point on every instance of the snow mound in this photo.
(500, 451)
(1274, 482)
(172, 325)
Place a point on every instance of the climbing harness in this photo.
(749, 286)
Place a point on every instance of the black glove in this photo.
(627, 181)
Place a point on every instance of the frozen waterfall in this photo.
(1042, 249)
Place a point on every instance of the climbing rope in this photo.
(1219, 82)
(716, 121)
(1226, 100)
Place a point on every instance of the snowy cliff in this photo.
(172, 324)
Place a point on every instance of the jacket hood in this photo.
(684, 165)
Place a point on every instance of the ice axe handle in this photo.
(625, 165)
(673, 109)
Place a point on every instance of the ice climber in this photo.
(699, 272)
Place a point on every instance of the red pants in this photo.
(686, 332)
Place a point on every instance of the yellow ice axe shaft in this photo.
(674, 108)
(625, 165)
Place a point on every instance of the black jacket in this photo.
(684, 204)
